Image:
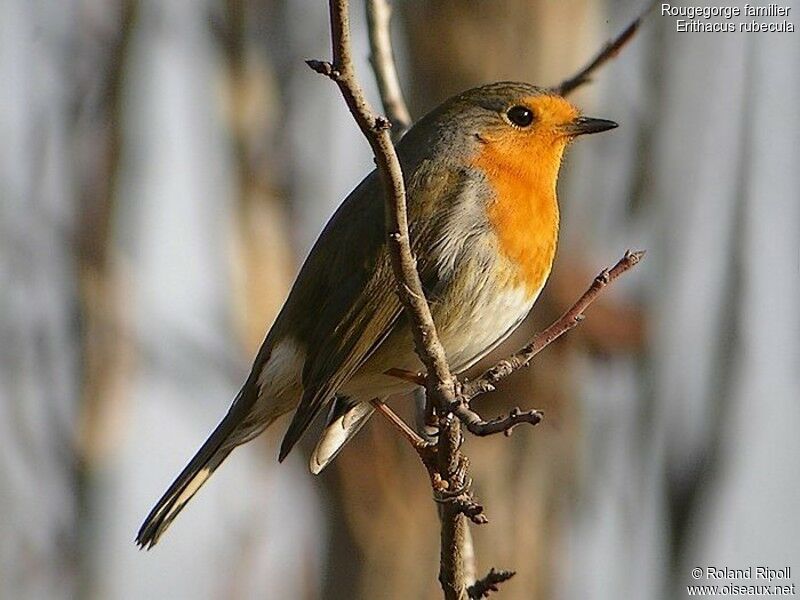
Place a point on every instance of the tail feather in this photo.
(344, 421)
(210, 456)
(191, 479)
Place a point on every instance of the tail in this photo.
(191, 479)
(232, 431)
(345, 419)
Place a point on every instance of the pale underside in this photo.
(469, 332)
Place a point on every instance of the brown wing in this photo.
(355, 305)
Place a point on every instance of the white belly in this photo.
(482, 329)
(468, 332)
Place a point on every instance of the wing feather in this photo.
(360, 306)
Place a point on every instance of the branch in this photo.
(456, 494)
(607, 52)
(486, 383)
(471, 509)
(375, 129)
(440, 384)
(379, 14)
(477, 426)
(488, 584)
(570, 319)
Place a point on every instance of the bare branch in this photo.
(488, 584)
(456, 494)
(607, 52)
(440, 384)
(375, 129)
(477, 426)
(471, 509)
(570, 319)
(379, 15)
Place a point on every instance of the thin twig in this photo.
(570, 319)
(477, 426)
(488, 584)
(440, 383)
(379, 15)
(375, 129)
(609, 51)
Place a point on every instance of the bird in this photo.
(480, 172)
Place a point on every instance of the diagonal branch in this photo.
(570, 319)
(607, 52)
(379, 15)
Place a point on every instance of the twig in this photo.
(609, 51)
(375, 129)
(488, 584)
(456, 493)
(570, 319)
(440, 384)
(471, 509)
(379, 15)
(477, 426)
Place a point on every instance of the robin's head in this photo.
(510, 117)
(523, 113)
(511, 137)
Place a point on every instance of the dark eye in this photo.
(520, 116)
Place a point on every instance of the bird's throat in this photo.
(524, 211)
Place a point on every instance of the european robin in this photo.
(480, 172)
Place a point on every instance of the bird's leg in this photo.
(417, 378)
(425, 450)
(443, 491)
(399, 424)
(431, 419)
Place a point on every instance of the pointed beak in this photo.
(583, 125)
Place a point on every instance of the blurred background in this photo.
(165, 167)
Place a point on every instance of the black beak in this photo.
(583, 125)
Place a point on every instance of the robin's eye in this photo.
(520, 116)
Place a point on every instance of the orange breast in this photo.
(524, 213)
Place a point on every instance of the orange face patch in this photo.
(552, 112)
(522, 167)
